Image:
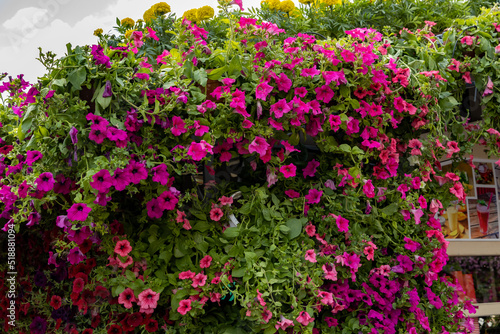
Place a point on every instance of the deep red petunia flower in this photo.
(78, 285)
(152, 326)
(78, 211)
(115, 329)
(55, 302)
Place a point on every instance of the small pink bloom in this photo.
(216, 214)
(304, 318)
(184, 306)
(126, 298)
(123, 247)
(311, 256)
(199, 280)
(206, 261)
(258, 145)
(186, 275)
(78, 211)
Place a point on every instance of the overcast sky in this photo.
(26, 25)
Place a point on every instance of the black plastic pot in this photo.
(471, 103)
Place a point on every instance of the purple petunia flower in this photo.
(76, 256)
(107, 89)
(32, 156)
(73, 135)
(38, 325)
(121, 179)
(160, 174)
(137, 172)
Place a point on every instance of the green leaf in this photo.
(295, 226)
(217, 73)
(238, 272)
(103, 101)
(354, 172)
(201, 77)
(231, 232)
(245, 209)
(130, 275)
(390, 209)
(345, 148)
(77, 77)
(235, 67)
(354, 104)
(26, 125)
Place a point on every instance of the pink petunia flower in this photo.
(199, 280)
(126, 298)
(123, 248)
(154, 207)
(206, 261)
(148, 301)
(310, 169)
(216, 214)
(160, 174)
(137, 171)
(184, 306)
(121, 179)
(179, 126)
(78, 211)
(292, 193)
(304, 318)
(311, 256)
(186, 275)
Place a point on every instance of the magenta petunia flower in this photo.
(137, 172)
(22, 191)
(76, 256)
(279, 108)
(102, 181)
(126, 298)
(186, 274)
(198, 151)
(283, 82)
(121, 179)
(262, 90)
(98, 135)
(179, 126)
(314, 196)
(78, 211)
(310, 169)
(154, 208)
(288, 170)
(123, 247)
(324, 93)
(184, 306)
(160, 174)
(45, 182)
(32, 156)
(168, 200)
(258, 145)
(292, 193)
(79, 235)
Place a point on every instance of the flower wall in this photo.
(251, 184)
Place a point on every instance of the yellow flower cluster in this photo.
(190, 15)
(204, 13)
(156, 10)
(196, 15)
(98, 32)
(127, 22)
(331, 2)
(307, 2)
(287, 6)
(272, 4)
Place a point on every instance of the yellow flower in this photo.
(148, 15)
(306, 2)
(190, 15)
(273, 4)
(161, 8)
(128, 33)
(331, 2)
(204, 13)
(287, 6)
(98, 32)
(127, 22)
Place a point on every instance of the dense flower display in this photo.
(272, 184)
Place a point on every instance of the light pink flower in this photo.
(311, 256)
(148, 300)
(184, 306)
(199, 280)
(123, 247)
(126, 298)
(304, 318)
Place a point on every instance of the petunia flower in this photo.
(216, 214)
(259, 145)
(314, 196)
(160, 174)
(32, 156)
(148, 301)
(78, 211)
(199, 280)
(310, 169)
(311, 256)
(184, 306)
(102, 181)
(45, 182)
(137, 171)
(288, 170)
(121, 178)
(123, 248)
(154, 208)
(304, 318)
(126, 298)
(205, 262)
